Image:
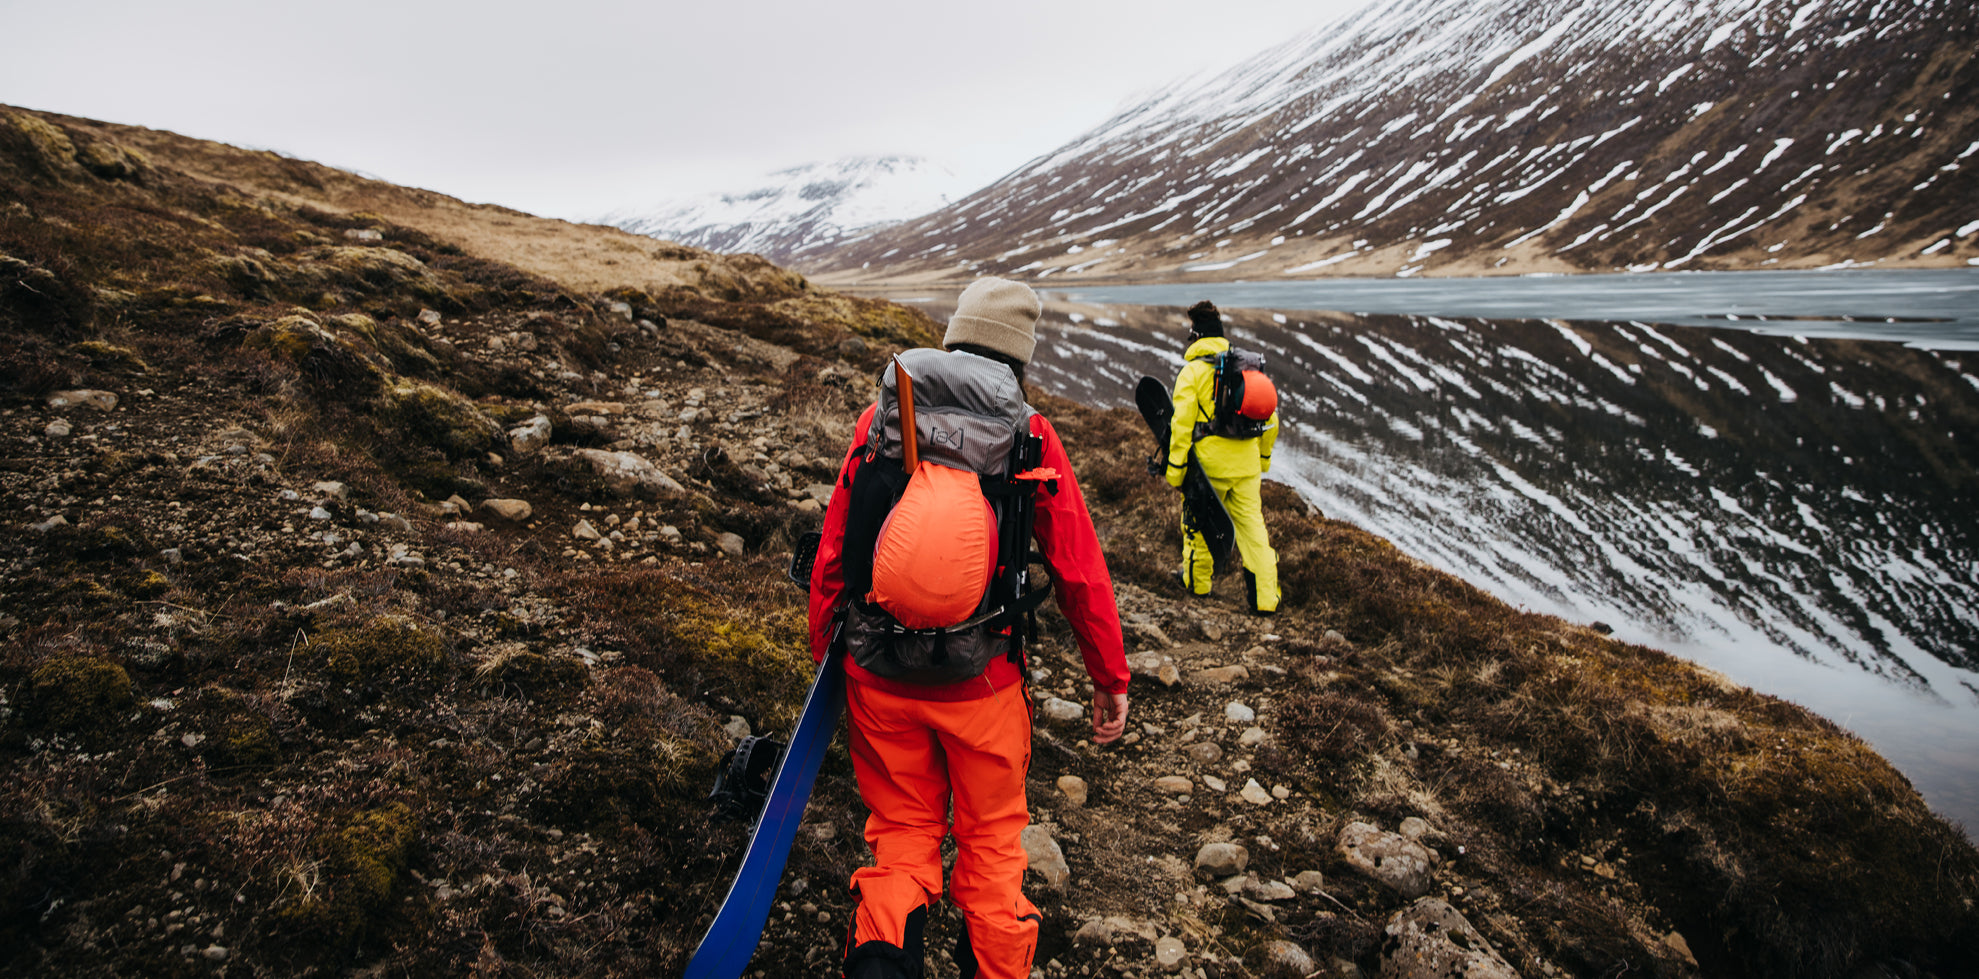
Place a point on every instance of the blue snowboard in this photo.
(731, 941)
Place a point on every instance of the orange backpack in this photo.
(947, 579)
(933, 586)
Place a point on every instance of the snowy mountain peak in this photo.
(801, 210)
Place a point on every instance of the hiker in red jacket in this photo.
(918, 748)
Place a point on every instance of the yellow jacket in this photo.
(1195, 390)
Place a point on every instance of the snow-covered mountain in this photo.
(798, 212)
(1498, 136)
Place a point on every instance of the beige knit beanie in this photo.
(998, 314)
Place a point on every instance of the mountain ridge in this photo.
(1438, 137)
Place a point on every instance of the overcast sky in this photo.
(578, 107)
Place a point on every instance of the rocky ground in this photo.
(372, 606)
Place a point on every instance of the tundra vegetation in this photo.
(383, 578)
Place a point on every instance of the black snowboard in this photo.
(1202, 507)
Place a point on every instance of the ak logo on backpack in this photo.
(937, 541)
(1245, 398)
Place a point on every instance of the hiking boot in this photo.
(1183, 583)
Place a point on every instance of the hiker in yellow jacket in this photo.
(1234, 466)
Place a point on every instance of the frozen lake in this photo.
(1792, 509)
(1935, 308)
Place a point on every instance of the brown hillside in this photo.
(382, 578)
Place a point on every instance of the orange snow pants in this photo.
(913, 758)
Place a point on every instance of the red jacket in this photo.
(1065, 536)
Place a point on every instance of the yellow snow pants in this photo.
(1241, 496)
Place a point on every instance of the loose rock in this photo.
(514, 511)
(1046, 858)
(1392, 859)
(530, 435)
(1432, 940)
(626, 473)
(1074, 789)
(1284, 960)
(1222, 859)
(1269, 890)
(1062, 711)
(100, 400)
(1155, 665)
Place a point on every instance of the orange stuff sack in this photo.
(1260, 397)
(937, 550)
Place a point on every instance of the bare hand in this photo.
(1109, 715)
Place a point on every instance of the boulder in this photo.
(1390, 858)
(1432, 940)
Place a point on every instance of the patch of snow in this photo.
(1779, 147)
(1219, 266)
(1322, 263)
(1787, 394)
(1430, 247)
(1671, 78)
